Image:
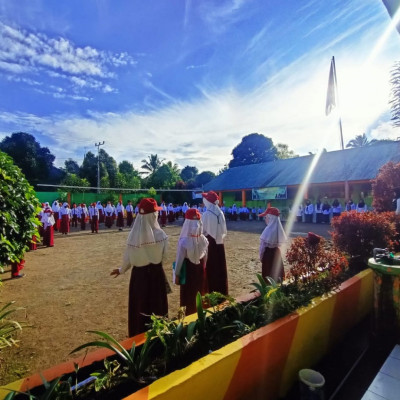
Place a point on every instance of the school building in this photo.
(343, 174)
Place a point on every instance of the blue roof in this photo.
(357, 164)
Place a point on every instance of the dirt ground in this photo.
(68, 290)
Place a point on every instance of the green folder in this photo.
(182, 275)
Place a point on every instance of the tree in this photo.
(110, 165)
(35, 161)
(126, 168)
(387, 179)
(204, 178)
(253, 149)
(283, 152)
(75, 180)
(71, 166)
(152, 164)
(88, 169)
(189, 173)
(163, 177)
(18, 209)
(360, 141)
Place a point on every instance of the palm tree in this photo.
(360, 141)
(174, 167)
(152, 164)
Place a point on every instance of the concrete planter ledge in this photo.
(261, 365)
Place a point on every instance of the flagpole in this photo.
(337, 100)
(332, 101)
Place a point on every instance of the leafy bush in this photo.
(387, 179)
(314, 269)
(18, 209)
(357, 234)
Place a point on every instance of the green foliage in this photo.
(8, 328)
(163, 177)
(387, 179)
(360, 141)
(152, 164)
(74, 180)
(18, 209)
(203, 178)
(133, 363)
(71, 166)
(253, 149)
(35, 161)
(357, 234)
(283, 152)
(189, 173)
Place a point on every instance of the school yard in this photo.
(68, 290)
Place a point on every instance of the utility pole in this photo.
(98, 164)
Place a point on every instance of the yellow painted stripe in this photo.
(311, 339)
(207, 378)
(366, 300)
(16, 385)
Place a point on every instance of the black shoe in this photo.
(18, 276)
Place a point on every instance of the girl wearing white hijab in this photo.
(214, 227)
(146, 249)
(192, 251)
(48, 222)
(65, 217)
(272, 237)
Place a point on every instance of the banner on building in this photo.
(270, 193)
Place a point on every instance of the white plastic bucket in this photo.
(311, 384)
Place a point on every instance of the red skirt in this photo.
(48, 236)
(272, 264)
(101, 216)
(94, 223)
(163, 217)
(64, 227)
(129, 218)
(57, 220)
(147, 295)
(217, 274)
(120, 220)
(109, 221)
(195, 282)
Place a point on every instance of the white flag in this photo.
(331, 94)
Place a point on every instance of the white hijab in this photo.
(193, 240)
(47, 218)
(273, 234)
(146, 242)
(214, 223)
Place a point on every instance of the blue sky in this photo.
(188, 79)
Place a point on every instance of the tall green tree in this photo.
(88, 169)
(18, 210)
(253, 149)
(188, 173)
(151, 164)
(283, 152)
(75, 180)
(360, 141)
(71, 166)
(35, 161)
(110, 165)
(204, 177)
(163, 177)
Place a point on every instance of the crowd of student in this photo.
(322, 211)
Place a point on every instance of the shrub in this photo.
(387, 179)
(18, 209)
(313, 268)
(357, 234)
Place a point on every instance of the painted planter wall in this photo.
(260, 365)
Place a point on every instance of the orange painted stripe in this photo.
(345, 312)
(260, 367)
(68, 366)
(142, 394)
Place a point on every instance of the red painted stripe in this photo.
(260, 367)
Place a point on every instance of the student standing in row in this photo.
(145, 251)
(271, 239)
(94, 218)
(214, 226)
(192, 253)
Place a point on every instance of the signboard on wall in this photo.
(270, 193)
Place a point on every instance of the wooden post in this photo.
(243, 198)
